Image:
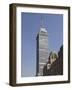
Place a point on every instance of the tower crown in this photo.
(43, 30)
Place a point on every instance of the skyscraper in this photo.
(41, 50)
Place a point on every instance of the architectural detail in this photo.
(52, 57)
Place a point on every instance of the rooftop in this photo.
(43, 30)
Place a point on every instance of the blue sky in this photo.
(30, 26)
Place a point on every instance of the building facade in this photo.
(56, 67)
(41, 51)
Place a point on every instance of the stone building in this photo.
(54, 67)
(52, 57)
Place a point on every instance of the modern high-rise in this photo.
(41, 51)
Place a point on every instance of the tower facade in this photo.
(41, 51)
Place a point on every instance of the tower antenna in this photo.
(42, 21)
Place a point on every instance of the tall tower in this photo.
(41, 50)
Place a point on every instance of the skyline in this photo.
(31, 23)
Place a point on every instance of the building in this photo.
(52, 57)
(41, 51)
(47, 68)
(56, 67)
(47, 65)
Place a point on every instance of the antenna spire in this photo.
(42, 21)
